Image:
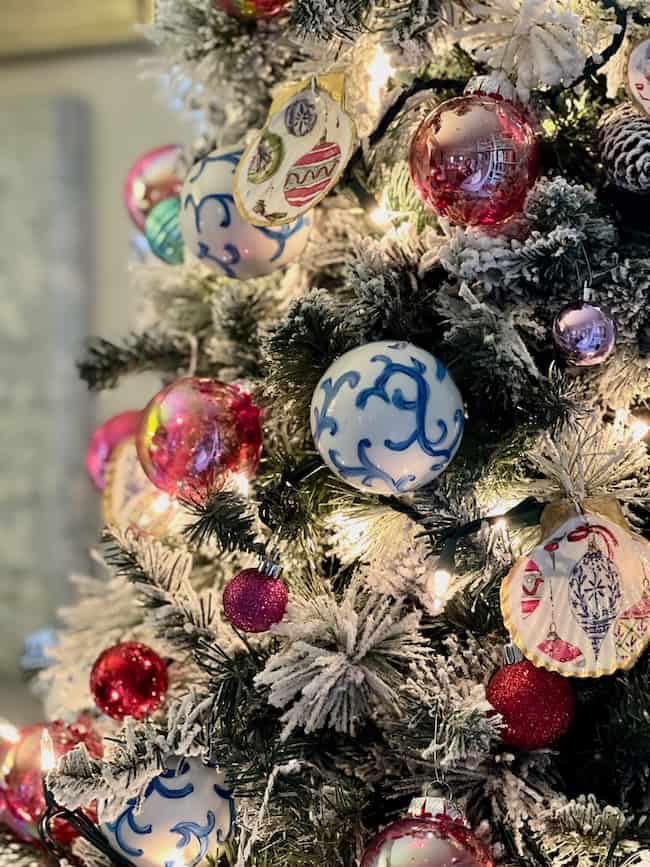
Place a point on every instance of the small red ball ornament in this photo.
(434, 841)
(253, 601)
(473, 160)
(105, 440)
(537, 706)
(129, 679)
(197, 432)
(22, 783)
(251, 9)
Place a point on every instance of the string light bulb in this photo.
(48, 757)
(380, 69)
(8, 732)
(640, 426)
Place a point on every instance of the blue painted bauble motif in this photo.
(186, 813)
(387, 417)
(162, 230)
(216, 233)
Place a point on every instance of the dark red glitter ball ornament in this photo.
(253, 601)
(537, 705)
(22, 784)
(129, 679)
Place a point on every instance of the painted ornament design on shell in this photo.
(576, 605)
(312, 174)
(267, 159)
(638, 75)
(300, 116)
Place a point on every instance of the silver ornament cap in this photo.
(496, 86)
(428, 807)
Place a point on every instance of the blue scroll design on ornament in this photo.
(192, 830)
(226, 265)
(158, 785)
(233, 157)
(117, 828)
(322, 420)
(226, 795)
(418, 406)
(368, 471)
(226, 200)
(282, 235)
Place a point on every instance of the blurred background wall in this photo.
(77, 122)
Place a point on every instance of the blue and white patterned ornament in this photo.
(186, 813)
(387, 417)
(216, 233)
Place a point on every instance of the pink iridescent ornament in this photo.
(251, 9)
(195, 433)
(253, 601)
(473, 160)
(152, 178)
(104, 442)
(584, 334)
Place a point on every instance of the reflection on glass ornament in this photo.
(253, 601)
(183, 817)
(252, 9)
(387, 417)
(22, 775)
(128, 679)
(103, 442)
(162, 231)
(584, 334)
(152, 178)
(216, 233)
(196, 433)
(473, 160)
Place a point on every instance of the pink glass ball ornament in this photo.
(473, 160)
(584, 334)
(197, 432)
(152, 179)
(104, 442)
(436, 841)
(128, 679)
(251, 9)
(254, 602)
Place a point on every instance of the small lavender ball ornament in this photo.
(584, 334)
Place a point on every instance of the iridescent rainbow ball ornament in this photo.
(537, 706)
(195, 434)
(22, 781)
(438, 840)
(254, 601)
(251, 9)
(128, 679)
(105, 440)
(162, 230)
(473, 160)
(152, 178)
(584, 334)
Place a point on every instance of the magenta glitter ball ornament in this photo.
(195, 433)
(105, 440)
(473, 160)
(253, 601)
(438, 841)
(152, 178)
(251, 9)
(128, 679)
(584, 334)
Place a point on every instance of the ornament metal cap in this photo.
(496, 86)
(428, 807)
(511, 654)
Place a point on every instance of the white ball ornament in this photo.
(186, 813)
(387, 417)
(216, 233)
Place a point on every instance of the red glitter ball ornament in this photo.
(251, 9)
(195, 433)
(473, 159)
(104, 441)
(129, 679)
(22, 784)
(253, 601)
(438, 841)
(537, 706)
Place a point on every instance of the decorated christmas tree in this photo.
(373, 589)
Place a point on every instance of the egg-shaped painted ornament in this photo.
(156, 175)
(252, 9)
(215, 232)
(474, 158)
(183, 817)
(163, 231)
(299, 156)
(104, 441)
(387, 417)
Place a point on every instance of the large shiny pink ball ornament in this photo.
(251, 9)
(153, 177)
(439, 841)
(195, 433)
(104, 442)
(473, 160)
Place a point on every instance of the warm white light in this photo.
(161, 504)
(241, 484)
(173, 859)
(381, 217)
(441, 582)
(8, 732)
(639, 429)
(48, 758)
(380, 70)
(500, 524)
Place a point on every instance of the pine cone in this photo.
(625, 148)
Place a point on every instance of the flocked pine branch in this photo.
(224, 519)
(329, 19)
